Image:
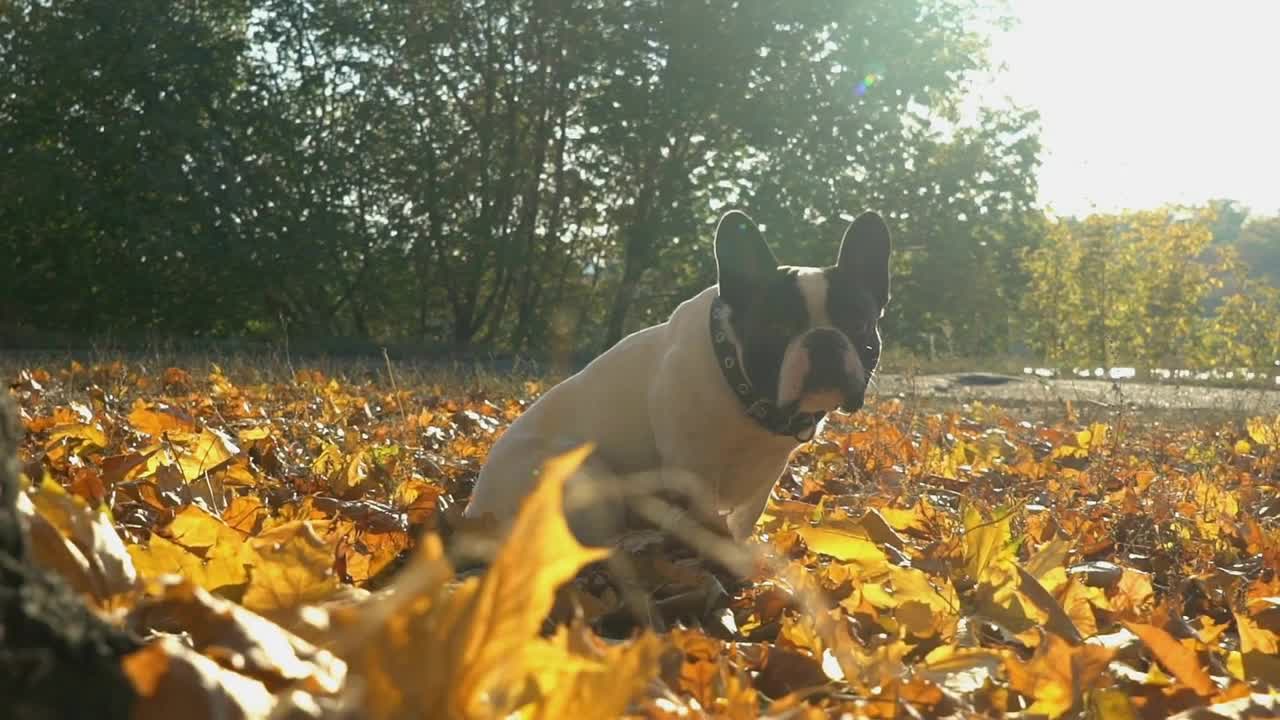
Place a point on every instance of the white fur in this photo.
(657, 408)
(795, 365)
(814, 286)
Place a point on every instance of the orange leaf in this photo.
(158, 419)
(172, 680)
(1058, 675)
(1175, 657)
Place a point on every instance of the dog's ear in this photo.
(743, 258)
(864, 255)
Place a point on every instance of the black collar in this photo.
(799, 425)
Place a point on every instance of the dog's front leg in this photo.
(742, 520)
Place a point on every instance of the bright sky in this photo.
(1146, 102)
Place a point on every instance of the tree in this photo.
(1121, 289)
(123, 141)
(1259, 245)
(520, 174)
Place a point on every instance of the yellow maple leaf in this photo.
(509, 605)
(160, 557)
(1259, 648)
(88, 435)
(987, 543)
(844, 544)
(1133, 594)
(204, 452)
(293, 565)
(960, 670)
(253, 434)
(173, 680)
(1111, 704)
(489, 629)
(600, 684)
(203, 549)
(195, 528)
(1059, 675)
(1078, 601)
(921, 603)
(227, 557)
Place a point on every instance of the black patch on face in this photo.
(765, 321)
(769, 308)
(855, 311)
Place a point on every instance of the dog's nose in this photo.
(853, 400)
(826, 357)
(826, 342)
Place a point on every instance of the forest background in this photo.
(539, 177)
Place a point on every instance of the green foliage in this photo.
(526, 175)
(1244, 330)
(1117, 289)
(1131, 289)
(1259, 245)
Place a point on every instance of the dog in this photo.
(712, 403)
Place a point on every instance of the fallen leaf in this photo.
(158, 419)
(1059, 675)
(172, 680)
(987, 543)
(102, 554)
(1177, 658)
(293, 566)
(241, 639)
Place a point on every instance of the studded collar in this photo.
(798, 425)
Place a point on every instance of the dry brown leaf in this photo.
(293, 565)
(600, 689)
(174, 681)
(241, 639)
(988, 542)
(489, 627)
(1176, 657)
(156, 420)
(1059, 675)
(90, 541)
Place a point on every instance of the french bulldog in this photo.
(713, 402)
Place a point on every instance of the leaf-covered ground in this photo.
(281, 547)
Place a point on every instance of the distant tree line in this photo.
(1165, 288)
(522, 175)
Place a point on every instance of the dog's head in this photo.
(809, 336)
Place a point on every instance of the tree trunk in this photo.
(622, 299)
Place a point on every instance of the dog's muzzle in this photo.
(833, 365)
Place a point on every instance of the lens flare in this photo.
(865, 84)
